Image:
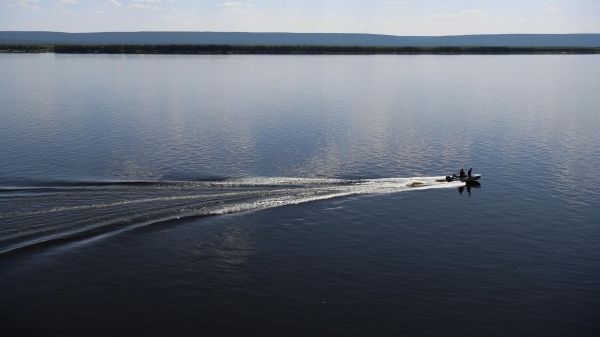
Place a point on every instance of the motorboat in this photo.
(466, 179)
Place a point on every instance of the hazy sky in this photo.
(409, 17)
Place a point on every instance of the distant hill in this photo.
(329, 39)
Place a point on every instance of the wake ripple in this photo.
(34, 215)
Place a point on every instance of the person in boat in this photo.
(469, 173)
(462, 173)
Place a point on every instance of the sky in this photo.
(392, 17)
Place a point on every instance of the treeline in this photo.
(279, 49)
(26, 48)
(306, 49)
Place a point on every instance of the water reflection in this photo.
(469, 185)
(186, 117)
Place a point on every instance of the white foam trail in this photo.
(117, 209)
(333, 188)
(281, 181)
(121, 203)
(369, 186)
(308, 186)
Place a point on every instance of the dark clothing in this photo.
(462, 173)
(469, 174)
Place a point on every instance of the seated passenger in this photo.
(462, 173)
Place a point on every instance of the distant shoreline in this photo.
(300, 39)
(204, 49)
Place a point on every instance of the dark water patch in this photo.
(325, 267)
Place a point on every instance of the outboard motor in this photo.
(448, 178)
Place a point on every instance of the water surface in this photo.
(275, 195)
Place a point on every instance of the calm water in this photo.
(276, 195)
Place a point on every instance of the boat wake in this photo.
(68, 211)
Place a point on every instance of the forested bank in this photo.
(280, 49)
(25, 48)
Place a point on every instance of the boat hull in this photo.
(471, 178)
(464, 179)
